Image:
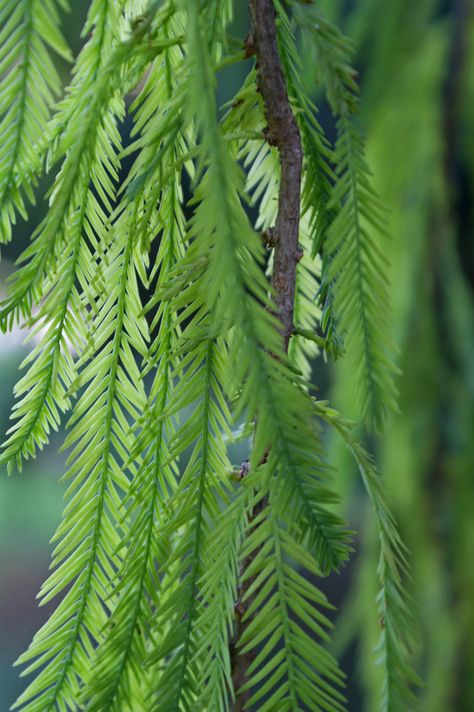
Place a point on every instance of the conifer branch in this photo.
(188, 588)
(29, 83)
(397, 622)
(282, 132)
(88, 537)
(43, 394)
(355, 264)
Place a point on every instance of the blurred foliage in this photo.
(416, 64)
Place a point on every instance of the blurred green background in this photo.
(415, 63)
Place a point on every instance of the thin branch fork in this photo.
(282, 131)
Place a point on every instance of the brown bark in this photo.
(282, 131)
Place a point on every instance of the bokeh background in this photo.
(415, 64)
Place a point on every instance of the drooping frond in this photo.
(265, 385)
(87, 553)
(357, 266)
(113, 686)
(216, 613)
(245, 117)
(286, 628)
(177, 655)
(28, 87)
(82, 201)
(44, 391)
(110, 67)
(159, 134)
(394, 604)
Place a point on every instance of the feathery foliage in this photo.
(396, 637)
(356, 264)
(419, 145)
(154, 303)
(29, 85)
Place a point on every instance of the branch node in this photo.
(240, 609)
(249, 45)
(244, 469)
(270, 137)
(268, 237)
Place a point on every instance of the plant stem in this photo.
(282, 132)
